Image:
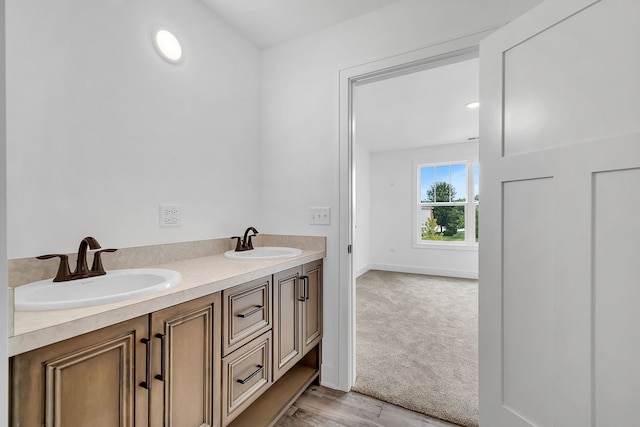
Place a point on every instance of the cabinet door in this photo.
(287, 308)
(186, 363)
(312, 307)
(90, 380)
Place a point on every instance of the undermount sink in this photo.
(116, 285)
(264, 252)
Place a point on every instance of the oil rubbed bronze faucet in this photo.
(245, 244)
(82, 270)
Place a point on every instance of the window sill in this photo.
(447, 246)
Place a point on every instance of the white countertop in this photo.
(200, 277)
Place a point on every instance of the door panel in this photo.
(616, 267)
(92, 379)
(312, 308)
(287, 334)
(185, 366)
(527, 306)
(560, 154)
(546, 104)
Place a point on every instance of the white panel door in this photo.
(560, 219)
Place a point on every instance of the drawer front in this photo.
(246, 312)
(246, 374)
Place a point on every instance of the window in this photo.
(447, 203)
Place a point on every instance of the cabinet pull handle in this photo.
(252, 375)
(301, 288)
(304, 295)
(250, 312)
(161, 376)
(306, 288)
(147, 383)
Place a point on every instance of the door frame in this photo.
(431, 56)
(6, 297)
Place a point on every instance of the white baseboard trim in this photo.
(359, 272)
(326, 372)
(463, 274)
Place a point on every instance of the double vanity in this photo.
(233, 343)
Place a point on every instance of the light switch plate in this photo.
(320, 216)
(170, 215)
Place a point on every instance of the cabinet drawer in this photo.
(246, 374)
(246, 312)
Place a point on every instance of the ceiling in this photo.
(267, 23)
(418, 109)
(409, 111)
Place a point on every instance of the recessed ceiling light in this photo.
(472, 105)
(167, 46)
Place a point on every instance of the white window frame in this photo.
(469, 212)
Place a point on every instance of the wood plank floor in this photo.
(323, 407)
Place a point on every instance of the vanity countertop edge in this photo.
(200, 277)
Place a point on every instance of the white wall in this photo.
(362, 222)
(300, 118)
(101, 130)
(392, 208)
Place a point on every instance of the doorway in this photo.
(403, 126)
(428, 57)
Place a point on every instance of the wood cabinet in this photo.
(239, 358)
(246, 345)
(158, 370)
(296, 353)
(298, 314)
(89, 380)
(185, 368)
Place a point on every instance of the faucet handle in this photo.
(96, 268)
(238, 244)
(64, 272)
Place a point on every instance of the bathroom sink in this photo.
(116, 285)
(264, 252)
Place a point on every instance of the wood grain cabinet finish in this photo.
(90, 380)
(287, 334)
(246, 374)
(186, 364)
(161, 369)
(312, 306)
(166, 369)
(247, 313)
(297, 304)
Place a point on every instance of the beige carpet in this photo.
(417, 343)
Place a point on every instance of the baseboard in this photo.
(463, 274)
(359, 272)
(328, 374)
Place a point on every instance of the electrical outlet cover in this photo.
(170, 215)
